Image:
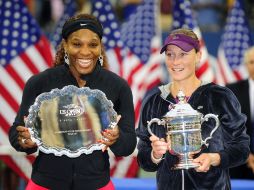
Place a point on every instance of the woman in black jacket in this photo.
(80, 61)
(229, 145)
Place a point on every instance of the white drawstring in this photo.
(182, 179)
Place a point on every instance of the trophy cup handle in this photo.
(154, 120)
(205, 118)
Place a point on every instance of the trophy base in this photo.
(186, 164)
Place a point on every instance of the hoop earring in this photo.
(101, 60)
(66, 58)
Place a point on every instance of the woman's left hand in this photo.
(206, 160)
(110, 136)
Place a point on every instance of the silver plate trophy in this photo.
(69, 121)
(183, 126)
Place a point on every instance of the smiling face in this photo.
(83, 48)
(181, 65)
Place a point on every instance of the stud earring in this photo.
(66, 58)
(101, 60)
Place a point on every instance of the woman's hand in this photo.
(110, 136)
(24, 138)
(206, 160)
(159, 147)
(250, 162)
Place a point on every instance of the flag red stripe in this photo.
(113, 169)
(43, 47)
(31, 158)
(4, 124)
(156, 82)
(11, 71)
(151, 85)
(133, 168)
(137, 109)
(237, 75)
(12, 164)
(29, 63)
(202, 43)
(133, 71)
(7, 159)
(202, 69)
(9, 98)
(119, 60)
(151, 69)
(154, 50)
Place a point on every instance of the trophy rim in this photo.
(56, 92)
(198, 114)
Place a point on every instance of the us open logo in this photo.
(72, 110)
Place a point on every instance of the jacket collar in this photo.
(165, 89)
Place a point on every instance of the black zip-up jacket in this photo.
(229, 140)
(86, 171)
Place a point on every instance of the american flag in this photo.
(183, 18)
(24, 52)
(70, 8)
(235, 40)
(133, 54)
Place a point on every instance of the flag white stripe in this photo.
(36, 58)
(3, 139)
(204, 54)
(144, 73)
(8, 82)
(227, 72)
(139, 78)
(129, 63)
(122, 166)
(142, 79)
(21, 68)
(208, 74)
(243, 71)
(113, 65)
(18, 157)
(5, 147)
(6, 110)
(217, 71)
(24, 164)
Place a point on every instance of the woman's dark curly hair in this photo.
(59, 58)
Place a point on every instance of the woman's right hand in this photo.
(250, 162)
(24, 138)
(159, 146)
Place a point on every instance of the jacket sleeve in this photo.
(232, 126)
(153, 106)
(126, 143)
(28, 98)
(144, 144)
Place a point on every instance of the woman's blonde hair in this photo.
(186, 32)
